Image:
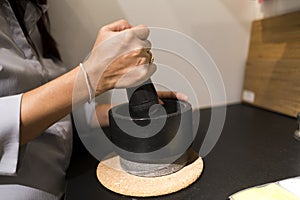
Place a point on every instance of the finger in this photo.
(150, 57)
(172, 95)
(181, 96)
(166, 94)
(100, 116)
(160, 101)
(145, 57)
(141, 31)
(147, 45)
(147, 70)
(135, 46)
(135, 76)
(118, 26)
(151, 70)
(140, 44)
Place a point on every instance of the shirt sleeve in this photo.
(9, 133)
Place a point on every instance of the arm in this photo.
(43, 106)
(120, 51)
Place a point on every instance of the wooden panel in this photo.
(272, 76)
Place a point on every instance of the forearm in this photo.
(45, 105)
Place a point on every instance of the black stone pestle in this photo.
(141, 98)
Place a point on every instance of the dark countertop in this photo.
(256, 147)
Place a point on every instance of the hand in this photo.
(120, 56)
(101, 112)
(171, 95)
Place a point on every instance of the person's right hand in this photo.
(120, 57)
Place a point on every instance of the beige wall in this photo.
(222, 27)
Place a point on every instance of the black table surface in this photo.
(256, 147)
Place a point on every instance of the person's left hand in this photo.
(100, 116)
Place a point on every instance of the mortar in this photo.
(151, 139)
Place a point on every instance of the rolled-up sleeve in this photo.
(9, 133)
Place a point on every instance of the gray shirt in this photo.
(35, 170)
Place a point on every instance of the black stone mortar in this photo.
(148, 147)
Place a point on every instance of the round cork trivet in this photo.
(113, 177)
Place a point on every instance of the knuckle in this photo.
(144, 27)
(149, 44)
(145, 30)
(123, 21)
(103, 28)
(129, 35)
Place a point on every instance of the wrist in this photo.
(87, 83)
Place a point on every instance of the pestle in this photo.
(141, 98)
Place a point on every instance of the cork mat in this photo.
(113, 177)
